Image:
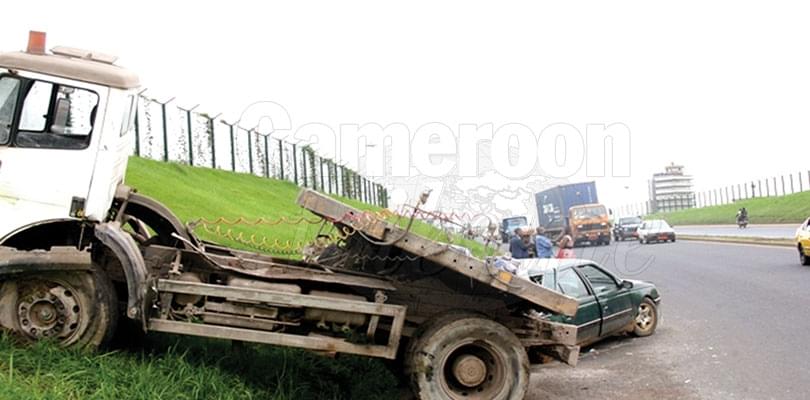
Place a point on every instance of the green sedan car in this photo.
(607, 305)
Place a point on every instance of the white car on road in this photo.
(655, 230)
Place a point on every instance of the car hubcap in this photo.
(645, 317)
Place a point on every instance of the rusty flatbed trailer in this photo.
(456, 323)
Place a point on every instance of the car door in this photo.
(614, 301)
(804, 236)
(589, 315)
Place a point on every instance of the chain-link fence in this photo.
(170, 133)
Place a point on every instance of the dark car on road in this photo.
(626, 227)
(607, 305)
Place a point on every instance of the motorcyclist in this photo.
(742, 215)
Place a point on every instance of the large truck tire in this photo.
(72, 308)
(466, 356)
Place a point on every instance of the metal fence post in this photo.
(211, 127)
(305, 172)
(165, 133)
(775, 188)
(320, 168)
(782, 178)
(767, 188)
(137, 126)
(801, 185)
(329, 174)
(266, 158)
(295, 163)
(250, 150)
(188, 129)
(281, 159)
(233, 151)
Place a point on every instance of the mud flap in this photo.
(126, 250)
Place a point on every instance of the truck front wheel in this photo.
(72, 308)
(467, 357)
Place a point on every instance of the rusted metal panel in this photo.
(319, 343)
(336, 211)
(14, 262)
(278, 298)
(395, 312)
(272, 270)
(437, 252)
(533, 332)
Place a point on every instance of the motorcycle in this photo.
(742, 222)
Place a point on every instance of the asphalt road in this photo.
(787, 231)
(734, 326)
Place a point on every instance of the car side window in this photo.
(569, 283)
(9, 88)
(600, 281)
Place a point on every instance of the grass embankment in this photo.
(194, 193)
(176, 367)
(793, 208)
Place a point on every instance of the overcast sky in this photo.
(722, 88)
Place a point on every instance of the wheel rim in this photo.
(473, 371)
(47, 309)
(646, 317)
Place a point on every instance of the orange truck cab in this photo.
(589, 223)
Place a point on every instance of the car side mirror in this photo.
(627, 285)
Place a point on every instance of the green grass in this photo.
(185, 368)
(177, 367)
(793, 208)
(194, 193)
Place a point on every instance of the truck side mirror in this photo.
(61, 118)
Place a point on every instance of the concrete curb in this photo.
(740, 240)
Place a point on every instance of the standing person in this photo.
(542, 244)
(566, 245)
(517, 247)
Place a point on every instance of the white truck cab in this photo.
(65, 124)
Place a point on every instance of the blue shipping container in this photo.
(553, 204)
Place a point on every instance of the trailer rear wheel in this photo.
(72, 308)
(467, 357)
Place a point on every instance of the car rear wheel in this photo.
(647, 318)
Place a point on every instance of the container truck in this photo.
(575, 206)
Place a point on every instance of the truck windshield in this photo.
(588, 212)
(511, 223)
(9, 87)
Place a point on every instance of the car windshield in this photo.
(588, 212)
(514, 222)
(656, 224)
(630, 221)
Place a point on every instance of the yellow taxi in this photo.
(803, 242)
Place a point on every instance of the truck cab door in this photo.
(614, 301)
(47, 150)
